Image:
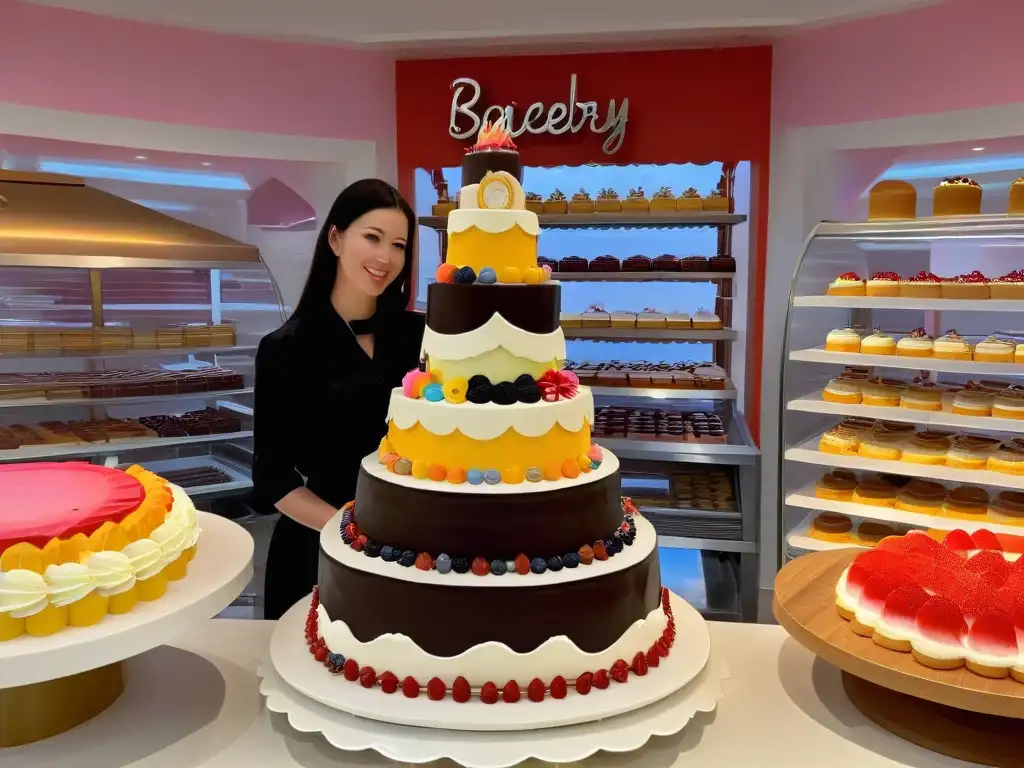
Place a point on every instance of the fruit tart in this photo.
(971, 286)
(1009, 286)
(883, 284)
(923, 285)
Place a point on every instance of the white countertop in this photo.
(197, 704)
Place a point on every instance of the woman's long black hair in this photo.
(357, 199)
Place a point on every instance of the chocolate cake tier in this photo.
(475, 165)
(454, 308)
(491, 525)
(448, 620)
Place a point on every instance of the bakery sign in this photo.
(570, 116)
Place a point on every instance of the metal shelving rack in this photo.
(906, 247)
(729, 561)
(105, 262)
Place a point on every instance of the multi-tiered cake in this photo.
(488, 553)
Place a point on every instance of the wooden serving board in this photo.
(804, 604)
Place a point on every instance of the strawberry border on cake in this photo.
(951, 599)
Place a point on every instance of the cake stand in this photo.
(478, 735)
(49, 685)
(956, 713)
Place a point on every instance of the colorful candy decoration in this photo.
(487, 276)
(446, 273)
(511, 692)
(510, 275)
(455, 390)
(532, 275)
(603, 549)
(546, 269)
(465, 276)
(558, 385)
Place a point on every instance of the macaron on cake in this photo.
(847, 284)
(950, 599)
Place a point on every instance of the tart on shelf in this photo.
(534, 202)
(971, 286)
(883, 284)
(690, 200)
(581, 202)
(608, 201)
(892, 199)
(923, 285)
(636, 202)
(556, 203)
(1009, 286)
(663, 200)
(847, 284)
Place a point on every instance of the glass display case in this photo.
(909, 421)
(127, 336)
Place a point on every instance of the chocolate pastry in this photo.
(666, 263)
(722, 264)
(605, 264)
(694, 264)
(571, 264)
(636, 264)
(832, 522)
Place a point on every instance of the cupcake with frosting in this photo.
(847, 284)
(878, 343)
(952, 346)
(916, 344)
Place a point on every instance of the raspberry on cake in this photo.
(970, 286)
(923, 285)
(956, 196)
(1009, 286)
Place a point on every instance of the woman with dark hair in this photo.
(323, 380)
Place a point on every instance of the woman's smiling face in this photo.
(371, 251)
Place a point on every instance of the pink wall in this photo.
(959, 54)
(84, 63)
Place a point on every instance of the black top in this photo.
(320, 406)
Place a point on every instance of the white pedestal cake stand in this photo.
(39, 674)
(477, 735)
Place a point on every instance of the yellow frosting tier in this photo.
(509, 449)
(476, 248)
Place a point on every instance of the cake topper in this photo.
(493, 136)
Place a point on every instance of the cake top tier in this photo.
(48, 500)
(493, 151)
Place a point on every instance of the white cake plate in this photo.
(499, 749)
(216, 575)
(290, 657)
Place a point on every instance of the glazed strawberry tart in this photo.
(950, 602)
(79, 541)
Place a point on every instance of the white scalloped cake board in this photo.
(333, 546)
(373, 467)
(291, 660)
(497, 749)
(217, 574)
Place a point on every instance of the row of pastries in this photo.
(975, 398)
(608, 200)
(926, 285)
(953, 196)
(918, 343)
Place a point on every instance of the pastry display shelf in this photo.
(694, 453)
(655, 393)
(808, 453)
(36, 402)
(805, 499)
(240, 480)
(899, 302)
(666, 220)
(651, 334)
(819, 355)
(706, 544)
(800, 538)
(813, 403)
(128, 353)
(643, 277)
(47, 452)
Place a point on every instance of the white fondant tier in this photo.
(497, 365)
(481, 663)
(496, 333)
(609, 464)
(487, 421)
(333, 546)
(492, 221)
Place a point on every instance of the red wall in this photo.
(684, 106)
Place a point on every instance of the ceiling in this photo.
(441, 27)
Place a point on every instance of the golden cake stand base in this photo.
(30, 713)
(954, 713)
